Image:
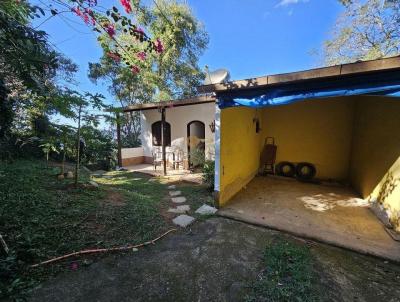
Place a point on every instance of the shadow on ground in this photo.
(216, 260)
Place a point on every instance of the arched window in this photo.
(157, 134)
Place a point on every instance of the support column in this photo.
(217, 142)
(163, 129)
(119, 140)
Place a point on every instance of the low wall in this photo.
(134, 156)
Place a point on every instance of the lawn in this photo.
(288, 274)
(43, 217)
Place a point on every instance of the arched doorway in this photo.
(196, 134)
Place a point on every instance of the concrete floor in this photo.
(330, 214)
(172, 175)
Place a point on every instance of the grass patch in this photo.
(42, 217)
(288, 274)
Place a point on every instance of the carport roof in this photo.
(378, 77)
(375, 77)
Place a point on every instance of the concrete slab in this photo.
(98, 173)
(180, 209)
(183, 220)
(174, 193)
(172, 187)
(94, 184)
(330, 214)
(206, 210)
(179, 199)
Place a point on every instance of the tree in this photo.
(366, 30)
(172, 73)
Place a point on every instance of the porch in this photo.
(173, 175)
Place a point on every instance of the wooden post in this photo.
(163, 129)
(119, 140)
(78, 139)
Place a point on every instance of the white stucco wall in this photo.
(179, 117)
(131, 152)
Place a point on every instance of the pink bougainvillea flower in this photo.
(93, 20)
(74, 266)
(135, 69)
(141, 55)
(89, 12)
(86, 18)
(77, 11)
(110, 30)
(158, 46)
(127, 5)
(113, 55)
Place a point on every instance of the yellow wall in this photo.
(315, 131)
(240, 150)
(375, 158)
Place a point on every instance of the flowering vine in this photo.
(113, 21)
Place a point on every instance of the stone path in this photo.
(181, 220)
(184, 220)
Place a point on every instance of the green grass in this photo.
(42, 217)
(288, 274)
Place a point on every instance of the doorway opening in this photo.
(196, 143)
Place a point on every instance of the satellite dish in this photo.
(216, 77)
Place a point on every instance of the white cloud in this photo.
(290, 2)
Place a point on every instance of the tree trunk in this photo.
(78, 138)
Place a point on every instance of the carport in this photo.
(343, 119)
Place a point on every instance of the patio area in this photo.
(172, 174)
(327, 213)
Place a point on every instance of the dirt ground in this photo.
(326, 213)
(216, 260)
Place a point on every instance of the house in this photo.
(189, 126)
(343, 119)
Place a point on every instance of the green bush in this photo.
(209, 173)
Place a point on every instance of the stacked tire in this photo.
(303, 171)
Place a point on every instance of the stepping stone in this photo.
(152, 179)
(206, 210)
(179, 199)
(174, 193)
(94, 184)
(183, 220)
(98, 173)
(172, 187)
(179, 209)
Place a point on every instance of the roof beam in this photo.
(169, 104)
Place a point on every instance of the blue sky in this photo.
(248, 37)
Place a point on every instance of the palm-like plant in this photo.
(47, 148)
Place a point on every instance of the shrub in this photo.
(209, 173)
